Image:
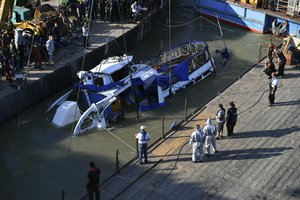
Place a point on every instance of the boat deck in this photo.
(261, 160)
(281, 14)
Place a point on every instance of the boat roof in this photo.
(183, 43)
(112, 64)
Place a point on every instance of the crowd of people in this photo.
(112, 10)
(203, 140)
(19, 48)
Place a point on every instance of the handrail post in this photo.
(137, 147)
(63, 195)
(117, 162)
(259, 54)
(185, 110)
(163, 127)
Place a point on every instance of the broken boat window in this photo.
(120, 74)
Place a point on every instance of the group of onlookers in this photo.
(203, 140)
(12, 52)
(18, 47)
(110, 10)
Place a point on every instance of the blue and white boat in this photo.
(102, 90)
(117, 81)
(180, 66)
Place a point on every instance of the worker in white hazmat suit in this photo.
(210, 132)
(197, 140)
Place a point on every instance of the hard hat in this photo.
(208, 122)
(142, 128)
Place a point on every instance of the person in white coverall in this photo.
(210, 132)
(197, 140)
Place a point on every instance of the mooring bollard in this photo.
(62, 194)
(137, 147)
(259, 54)
(163, 126)
(185, 110)
(117, 162)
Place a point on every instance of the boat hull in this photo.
(242, 16)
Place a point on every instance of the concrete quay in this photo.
(105, 39)
(260, 161)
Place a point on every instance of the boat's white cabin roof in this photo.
(112, 64)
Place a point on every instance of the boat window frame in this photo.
(126, 67)
(192, 66)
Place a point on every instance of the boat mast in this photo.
(170, 73)
(221, 32)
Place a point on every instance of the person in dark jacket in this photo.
(93, 180)
(281, 63)
(57, 33)
(271, 51)
(231, 118)
(269, 68)
(81, 9)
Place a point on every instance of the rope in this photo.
(120, 139)
(82, 66)
(255, 103)
(175, 165)
(191, 21)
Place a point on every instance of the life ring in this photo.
(279, 28)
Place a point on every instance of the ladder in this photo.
(292, 7)
(282, 5)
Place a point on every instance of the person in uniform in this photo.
(272, 89)
(143, 138)
(271, 51)
(269, 68)
(231, 118)
(93, 180)
(281, 63)
(210, 133)
(220, 117)
(197, 140)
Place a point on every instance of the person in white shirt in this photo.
(50, 48)
(85, 34)
(143, 138)
(272, 88)
(197, 140)
(136, 10)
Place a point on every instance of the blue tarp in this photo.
(180, 71)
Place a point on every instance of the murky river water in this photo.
(39, 160)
